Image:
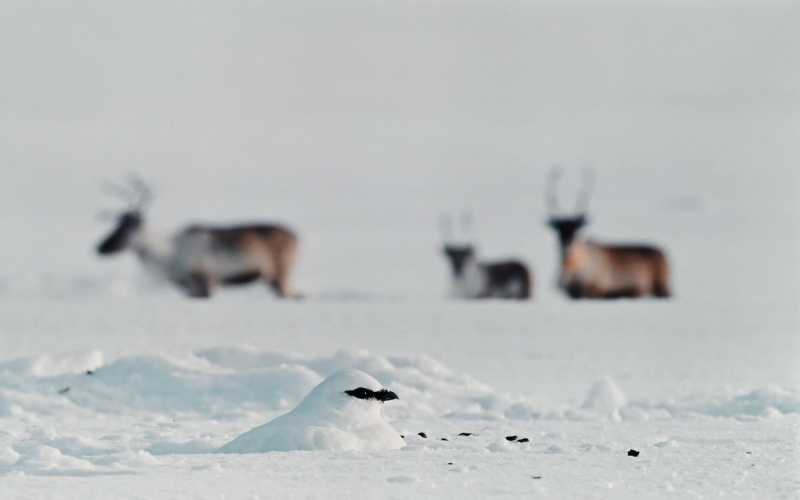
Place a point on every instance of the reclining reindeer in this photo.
(201, 258)
(473, 279)
(592, 270)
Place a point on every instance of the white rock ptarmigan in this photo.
(341, 413)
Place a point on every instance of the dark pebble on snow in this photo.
(89, 372)
(64, 390)
(511, 438)
(466, 434)
(523, 440)
(445, 439)
(633, 453)
(422, 435)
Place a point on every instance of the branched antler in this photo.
(144, 195)
(553, 176)
(136, 194)
(455, 233)
(446, 228)
(587, 185)
(584, 193)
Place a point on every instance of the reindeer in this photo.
(593, 270)
(201, 258)
(473, 279)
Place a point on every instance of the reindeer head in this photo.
(568, 225)
(129, 221)
(457, 249)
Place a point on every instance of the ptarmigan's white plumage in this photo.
(327, 419)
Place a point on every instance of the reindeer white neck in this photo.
(155, 249)
(471, 280)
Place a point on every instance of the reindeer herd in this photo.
(201, 258)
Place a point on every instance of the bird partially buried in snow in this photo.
(341, 413)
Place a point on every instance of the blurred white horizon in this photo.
(358, 123)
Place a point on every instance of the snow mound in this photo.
(48, 365)
(225, 383)
(606, 397)
(331, 417)
(767, 402)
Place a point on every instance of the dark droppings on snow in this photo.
(523, 440)
(445, 439)
(466, 434)
(64, 390)
(449, 463)
(537, 477)
(422, 435)
(633, 453)
(511, 438)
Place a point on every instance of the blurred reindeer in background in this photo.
(473, 279)
(592, 270)
(201, 258)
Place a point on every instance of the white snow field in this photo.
(358, 123)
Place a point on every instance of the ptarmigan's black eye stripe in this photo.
(363, 393)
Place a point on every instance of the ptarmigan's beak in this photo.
(385, 395)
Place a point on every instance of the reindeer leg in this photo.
(283, 266)
(661, 290)
(196, 285)
(278, 287)
(575, 290)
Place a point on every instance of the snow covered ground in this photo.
(358, 123)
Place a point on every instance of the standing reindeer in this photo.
(592, 270)
(201, 258)
(473, 279)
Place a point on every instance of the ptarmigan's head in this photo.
(347, 392)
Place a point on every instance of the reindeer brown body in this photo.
(591, 270)
(202, 258)
(597, 271)
(208, 257)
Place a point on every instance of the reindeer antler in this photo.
(144, 195)
(455, 234)
(587, 185)
(553, 176)
(136, 194)
(446, 228)
(584, 193)
(466, 224)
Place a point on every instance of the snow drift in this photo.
(229, 382)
